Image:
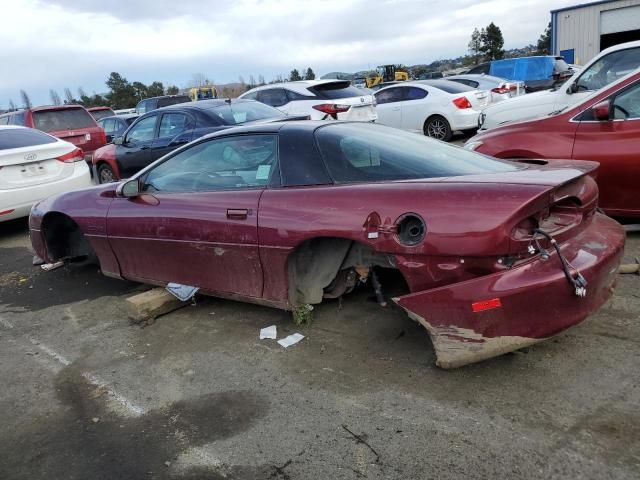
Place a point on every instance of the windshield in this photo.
(23, 137)
(608, 69)
(373, 153)
(237, 113)
(98, 114)
(68, 119)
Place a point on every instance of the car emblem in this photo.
(30, 156)
(361, 99)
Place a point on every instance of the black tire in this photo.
(106, 174)
(437, 127)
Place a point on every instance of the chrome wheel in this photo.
(437, 128)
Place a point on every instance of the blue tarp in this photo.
(528, 68)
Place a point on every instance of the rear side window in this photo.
(98, 114)
(166, 101)
(4, 120)
(414, 93)
(373, 153)
(23, 137)
(335, 90)
(275, 97)
(69, 119)
(484, 68)
(173, 124)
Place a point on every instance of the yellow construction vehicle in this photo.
(386, 73)
(206, 92)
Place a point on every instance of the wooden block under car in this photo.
(149, 305)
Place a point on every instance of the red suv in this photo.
(605, 127)
(69, 122)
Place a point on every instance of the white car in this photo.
(320, 99)
(436, 108)
(33, 166)
(605, 68)
(499, 88)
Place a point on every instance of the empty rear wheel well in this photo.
(64, 238)
(317, 266)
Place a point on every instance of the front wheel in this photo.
(437, 127)
(106, 174)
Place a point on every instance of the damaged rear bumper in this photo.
(487, 316)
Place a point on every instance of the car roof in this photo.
(96, 109)
(126, 116)
(300, 86)
(11, 127)
(203, 104)
(165, 96)
(55, 107)
(438, 83)
(476, 76)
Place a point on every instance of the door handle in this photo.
(238, 213)
(395, 109)
(145, 147)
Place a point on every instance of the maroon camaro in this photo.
(495, 255)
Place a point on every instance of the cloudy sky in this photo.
(55, 44)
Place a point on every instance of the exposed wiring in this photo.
(577, 281)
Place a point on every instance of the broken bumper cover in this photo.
(485, 317)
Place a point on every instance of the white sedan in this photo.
(436, 108)
(33, 166)
(320, 99)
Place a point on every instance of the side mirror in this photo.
(118, 140)
(573, 88)
(129, 189)
(602, 111)
(109, 138)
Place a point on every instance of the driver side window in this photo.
(244, 161)
(608, 69)
(626, 105)
(143, 130)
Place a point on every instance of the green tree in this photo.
(492, 42)
(121, 92)
(294, 76)
(141, 90)
(309, 75)
(172, 90)
(544, 42)
(475, 45)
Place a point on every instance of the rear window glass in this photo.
(69, 119)
(374, 153)
(237, 113)
(165, 102)
(335, 90)
(448, 86)
(98, 114)
(23, 137)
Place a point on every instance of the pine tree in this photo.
(294, 76)
(475, 45)
(492, 42)
(309, 75)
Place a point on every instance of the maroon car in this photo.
(285, 214)
(72, 123)
(605, 128)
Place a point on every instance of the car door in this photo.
(196, 222)
(389, 107)
(414, 108)
(171, 133)
(134, 152)
(614, 143)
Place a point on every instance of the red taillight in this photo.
(462, 103)
(7, 212)
(75, 155)
(332, 108)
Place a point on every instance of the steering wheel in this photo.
(624, 112)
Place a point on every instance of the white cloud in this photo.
(66, 43)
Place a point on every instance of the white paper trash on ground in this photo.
(291, 340)
(269, 332)
(182, 292)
